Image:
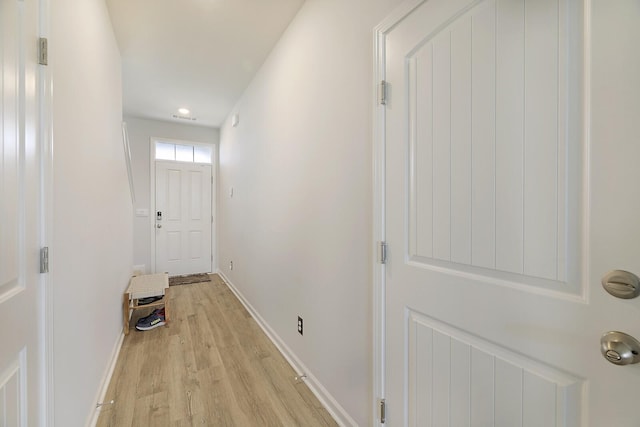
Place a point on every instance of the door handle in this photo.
(620, 348)
(158, 225)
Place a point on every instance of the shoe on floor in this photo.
(155, 319)
(144, 319)
(156, 310)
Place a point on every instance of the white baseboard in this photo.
(335, 409)
(104, 384)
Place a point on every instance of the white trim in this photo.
(214, 209)
(397, 15)
(332, 406)
(379, 232)
(586, 159)
(126, 145)
(104, 384)
(46, 283)
(152, 204)
(152, 196)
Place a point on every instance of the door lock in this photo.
(621, 284)
(620, 348)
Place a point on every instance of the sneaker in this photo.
(144, 319)
(155, 319)
(148, 300)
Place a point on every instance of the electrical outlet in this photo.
(230, 265)
(300, 329)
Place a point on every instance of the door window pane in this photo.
(202, 154)
(184, 153)
(165, 151)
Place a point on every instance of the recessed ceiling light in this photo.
(183, 111)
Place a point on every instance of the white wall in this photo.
(299, 226)
(140, 132)
(91, 252)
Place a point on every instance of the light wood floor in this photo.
(210, 366)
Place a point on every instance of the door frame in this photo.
(46, 282)
(152, 195)
(379, 202)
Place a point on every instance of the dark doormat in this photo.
(191, 278)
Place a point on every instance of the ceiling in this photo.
(194, 54)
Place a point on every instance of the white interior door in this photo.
(20, 297)
(183, 218)
(511, 143)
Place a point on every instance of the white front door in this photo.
(511, 150)
(183, 218)
(21, 311)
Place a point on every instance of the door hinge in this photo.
(44, 260)
(43, 51)
(382, 252)
(382, 414)
(212, 179)
(211, 219)
(382, 93)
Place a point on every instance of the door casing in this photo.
(152, 197)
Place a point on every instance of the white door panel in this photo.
(20, 296)
(183, 232)
(501, 215)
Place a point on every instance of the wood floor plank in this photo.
(179, 380)
(222, 407)
(212, 365)
(123, 386)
